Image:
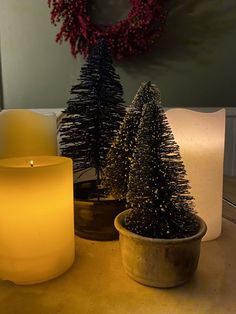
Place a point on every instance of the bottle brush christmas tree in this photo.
(116, 173)
(94, 112)
(158, 191)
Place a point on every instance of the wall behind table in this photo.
(194, 64)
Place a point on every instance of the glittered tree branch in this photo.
(158, 191)
(94, 112)
(116, 173)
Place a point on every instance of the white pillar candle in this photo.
(201, 140)
(36, 218)
(27, 133)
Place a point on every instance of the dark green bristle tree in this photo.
(116, 173)
(94, 112)
(158, 191)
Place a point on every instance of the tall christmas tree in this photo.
(116, 173)
(158, 191)
(93, 113)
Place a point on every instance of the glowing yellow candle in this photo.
(36, 218)
(201, 140)
(27, 133)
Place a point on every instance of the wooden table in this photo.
(229, 198)
(97, 284)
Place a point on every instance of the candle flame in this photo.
(31, 163)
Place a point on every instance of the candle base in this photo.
(33, 282)
(36, 270)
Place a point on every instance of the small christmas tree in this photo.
(116, 173)
(93, 113)
(158, 191)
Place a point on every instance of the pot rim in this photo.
(118, 222)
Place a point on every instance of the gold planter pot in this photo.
(94, 220)
(162, 263)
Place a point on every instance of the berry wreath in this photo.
(135, 34)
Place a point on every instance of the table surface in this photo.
(96, 283)
(229, 191)
(229, 198)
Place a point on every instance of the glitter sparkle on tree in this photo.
(116, 173)
(158, 191)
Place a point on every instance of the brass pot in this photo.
(162, 263)
(94, 220)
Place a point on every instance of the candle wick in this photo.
(31, 163)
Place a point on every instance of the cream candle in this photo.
(27, 133)
(201, 140)
(36, 218)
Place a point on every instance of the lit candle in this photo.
(201, 140)
(36, 218)
(27, 133)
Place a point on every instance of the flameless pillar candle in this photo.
(36, 218)
(201, 140)
(27, 133)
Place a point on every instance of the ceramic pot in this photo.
(162, 263)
